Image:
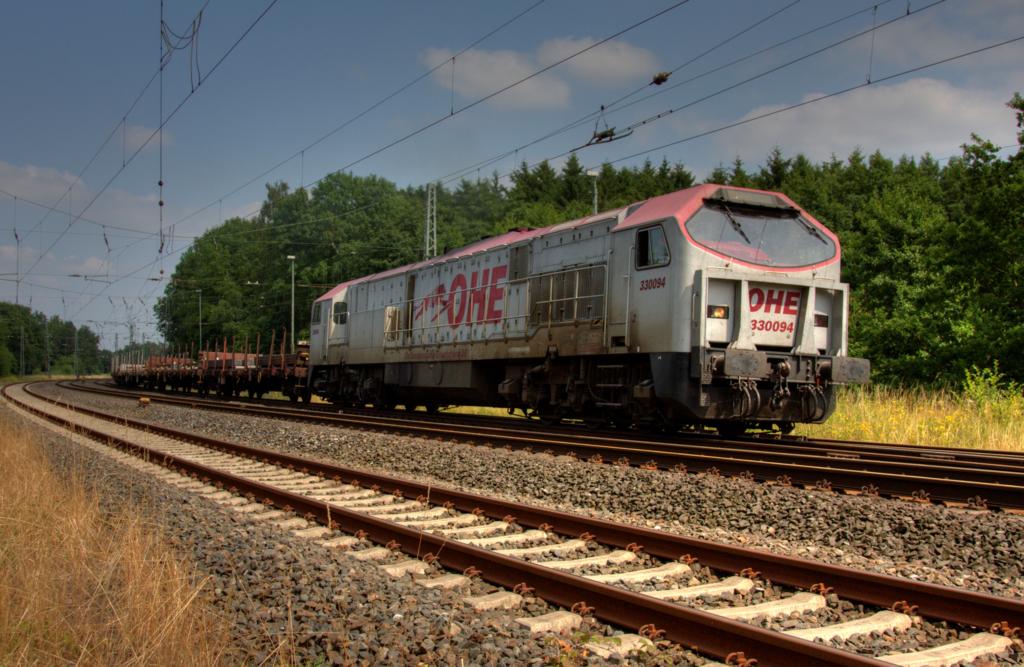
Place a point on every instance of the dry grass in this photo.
(81, 587)
(986, 419)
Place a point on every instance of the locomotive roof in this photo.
(681, 204)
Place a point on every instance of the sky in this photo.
(390, 88)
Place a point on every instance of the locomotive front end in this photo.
(768, 336)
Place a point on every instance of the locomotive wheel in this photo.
(432, 408)
(409, 407)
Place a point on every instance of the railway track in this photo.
(627, 576)
(960, 477)
(756, 442)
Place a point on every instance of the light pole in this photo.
(292, 258)
(200, 292)
(594, 174)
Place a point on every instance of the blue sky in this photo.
(71, 71)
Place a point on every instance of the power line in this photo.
(526, 78)
(614, 107)
(474, 103)
(710, 50)
(820, 98)
(163, 122)
(755, 77)
(301, 152)
(154, 262)
(872, 31)
(105, 225)
(346, 123)
(122, 124)
(306, 222)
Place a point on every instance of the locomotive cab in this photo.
(328, 335)
(766, 339)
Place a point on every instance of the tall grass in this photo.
(79, 586)
(985, 414)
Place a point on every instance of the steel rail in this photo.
(690, 627)
(948, 483)
(941, 602)
(1006, 460)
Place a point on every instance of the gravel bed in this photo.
(837, 611)
(695, 578)
(642, 562)
(761, 592)
(922, 636)
(976, 550)
(273, 587)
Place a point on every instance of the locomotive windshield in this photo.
(767, 236)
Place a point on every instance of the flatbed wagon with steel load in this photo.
(225, 372)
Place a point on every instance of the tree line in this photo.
(39, 344)
(933, 250)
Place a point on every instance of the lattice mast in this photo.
(430, 227)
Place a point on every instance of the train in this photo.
(218, 370)
(713, 307)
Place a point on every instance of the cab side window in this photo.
(651, 248)
(341, 312)
(315, 319)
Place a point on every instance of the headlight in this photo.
(718, 312)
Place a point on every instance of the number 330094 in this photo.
(652, 283)
(771, 325)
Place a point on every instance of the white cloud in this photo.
(612, 63)
(90, 266)
(947, 30)
(914, 117)
(48, 187)
(244, 210)
(134, 137)
(479, 73)
(36, 183)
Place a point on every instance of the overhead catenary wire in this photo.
(455, 112)
(615, 106)
(338, 128)
(748, 121)
(304, 222)
(664, 76)
(789, 63)
(820, 98)
(508, 87)
(324, 137)
(163, 122)
(755, 77)
(122, 125)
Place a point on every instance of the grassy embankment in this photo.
(986, 413)
(37, 377)
(969, 418)
(81, 586)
